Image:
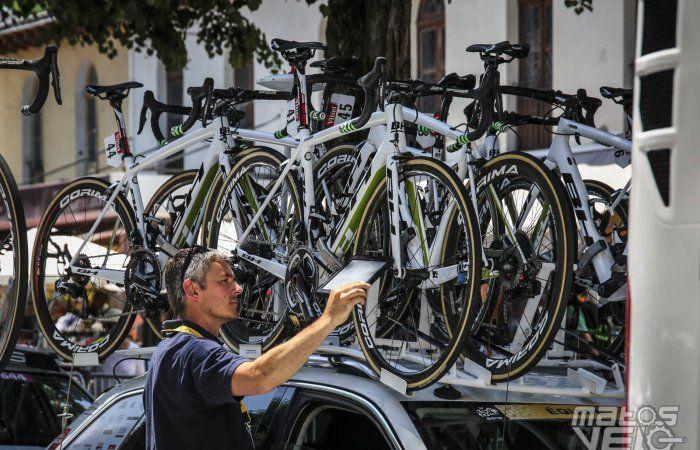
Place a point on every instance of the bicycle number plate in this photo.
(623, 158)
(340, 109)
(113, 150)
(425, 139)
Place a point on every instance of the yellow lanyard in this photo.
(186, 329)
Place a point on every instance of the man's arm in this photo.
(281, 362)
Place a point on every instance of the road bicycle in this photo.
(528, 255)
(98, 257)
(13, 232)
(596, 328)
(385, 221)
(117, 264)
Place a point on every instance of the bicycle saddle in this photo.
(613, 93)
(336, 64)
(281, 45)
(455, 81)
(501, 48)
(112, 90)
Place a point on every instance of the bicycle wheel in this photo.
(262, 308)
(528, 234)
(13, 263)
(601, 323)
(332, 173)
(419, 347)
(167, 203)
(80, 313)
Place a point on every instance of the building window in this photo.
(173, 93)
(32, 151)
(431, 47)
(535, 71)
(86, 116)
(243, 78)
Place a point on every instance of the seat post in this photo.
(116, 103)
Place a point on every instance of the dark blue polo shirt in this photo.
(188, 399)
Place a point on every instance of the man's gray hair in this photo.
(196, 271)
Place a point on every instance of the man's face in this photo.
(220, 298)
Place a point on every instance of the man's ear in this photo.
(190, 288)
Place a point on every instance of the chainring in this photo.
(300, 284)
(142, 281)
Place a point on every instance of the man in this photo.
(194, 385)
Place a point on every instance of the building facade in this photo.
(61, 141)
(568, 52)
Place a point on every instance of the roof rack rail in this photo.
(579, 379)
(576, 383)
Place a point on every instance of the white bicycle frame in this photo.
(561, 156)
(383, 164)
(188, 224)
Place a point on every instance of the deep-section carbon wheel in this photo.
(441, 258)
(263, 310)
(528, 236)
(167, 203)
(85, 310)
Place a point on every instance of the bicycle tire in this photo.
(600, 322)
(215, 211)
(605, 192)
(505, 170)
(104, 346)
(12, 320)
(334, 160)
(164, 192)
(452, 349)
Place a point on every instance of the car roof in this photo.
(368, 386)
(354, 380)
(32, 358)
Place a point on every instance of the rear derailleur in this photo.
(142, 282)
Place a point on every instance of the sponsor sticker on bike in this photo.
(113, 150)
(292, 124)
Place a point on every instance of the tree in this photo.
(370, 28)
(153, 26)
(364, 28)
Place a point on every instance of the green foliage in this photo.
(154, 26)
(579, 5)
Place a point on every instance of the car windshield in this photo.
(492, 426)
(30, 404)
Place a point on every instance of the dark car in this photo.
(34, 397)
(336, 403)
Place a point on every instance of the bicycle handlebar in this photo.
(421, 88)
(205, 93)
(157, 108)
(48, 64)
(369, 83)
(579, 107)
(239, 95)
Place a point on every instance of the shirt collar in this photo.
(172, 324)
